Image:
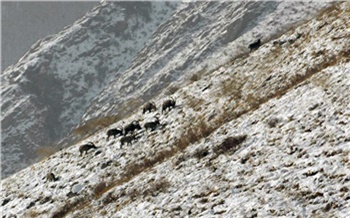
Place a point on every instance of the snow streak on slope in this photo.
(264, 135)
(46, 93)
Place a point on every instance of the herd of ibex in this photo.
(128, 130)
(135, 125)
(148, 107)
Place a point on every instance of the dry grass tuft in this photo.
(154, 188)
(33, 213)
(110, 197)
(91, 126)
(100, 188)
(94, 124)
(190, 137)
(272, 122)
(200, 153)
(171, 89)
(198, 75)
(232, 87)
(196, 103)
(61, 212)
(179, 160)
(194, 77)
(46, 151)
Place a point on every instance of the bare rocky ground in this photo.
(266, 135)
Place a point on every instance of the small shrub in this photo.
(103, 212)
(33, 213)
(108, 199)
(5, 201)
(179, 160)
(62, 212)
(152, 188)
(194, 78)
(200, 153)
(230, 144)
(321, 80)
(156, 187)
(272, 122)
(252, 100)
(196, 103)
(99, 188)
(204, 129)
(244, 159)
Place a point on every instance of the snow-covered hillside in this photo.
(46, 93)
(264, 135)
(199, 37)
(119, 56)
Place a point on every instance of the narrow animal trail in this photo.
(265, 86)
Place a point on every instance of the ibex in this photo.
(86, 147)
(114, 132)
(170, 103)
(152, 125)
(255, 45)
(149, 106)
(131, 127)
(51, 177)
(127, 139)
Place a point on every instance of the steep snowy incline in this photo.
(95, 68)
(46, 93)
(265, 135)
(198, 38)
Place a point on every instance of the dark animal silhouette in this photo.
(132, 127)
(152, 125)
(51, 177)
(114, 132)
(255, 45)
(149, 106)
(86, 147)
(170, 103)
(127, 139)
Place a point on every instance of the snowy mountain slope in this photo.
(266, 135)
(46, 93)
(199, 37)
(95, 68)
